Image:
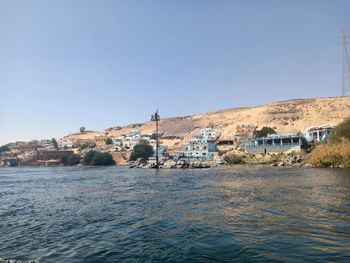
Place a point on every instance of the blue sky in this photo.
(64, 64)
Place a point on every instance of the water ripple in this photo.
(240, 214)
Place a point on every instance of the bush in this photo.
(70, 159)
(342, 130)
(233, 158)
(331, 154)
(142, 150)
(102, 159)
(97, 158)
(336, 150)
(109, 141)
(87, 160)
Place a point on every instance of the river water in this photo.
(240, 214)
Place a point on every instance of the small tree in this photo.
(264, 132)
(87, 160)
(102, 159)
(141, 150)
(109, 141)
(153, 136)
(82, 129)
(54, 143)
(70, 159)
(98, 158)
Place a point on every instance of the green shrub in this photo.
(97, 158)
(70, 159)
(102, 159)
(87, 160)
(142, 150)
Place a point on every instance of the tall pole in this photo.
(157, 142)
(156, 118)
(346, 65)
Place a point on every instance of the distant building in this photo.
(118, 141)
(199, 148)
(209, 134)
(51, 155)
(225, 145)
(273, 144)
(317, 133)
(244, 132)
(128, 141)
(134, 133)
(65, 145)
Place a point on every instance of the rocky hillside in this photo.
(284, 116)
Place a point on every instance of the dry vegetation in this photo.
(331, 155)
(335, 152)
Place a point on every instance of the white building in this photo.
(317, 133)
(209, 134)
(128, 141)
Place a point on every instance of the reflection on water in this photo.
(241, 213)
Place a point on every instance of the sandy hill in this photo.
(284, 116)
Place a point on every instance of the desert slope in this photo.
(284, 116)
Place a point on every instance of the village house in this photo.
(118, 141)
(225, 145)
(244, 132)
(198, 148)
(209, 134)
(65, 145)
(51, 155)
(273, 144)
(128, 141)
(317, 133)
